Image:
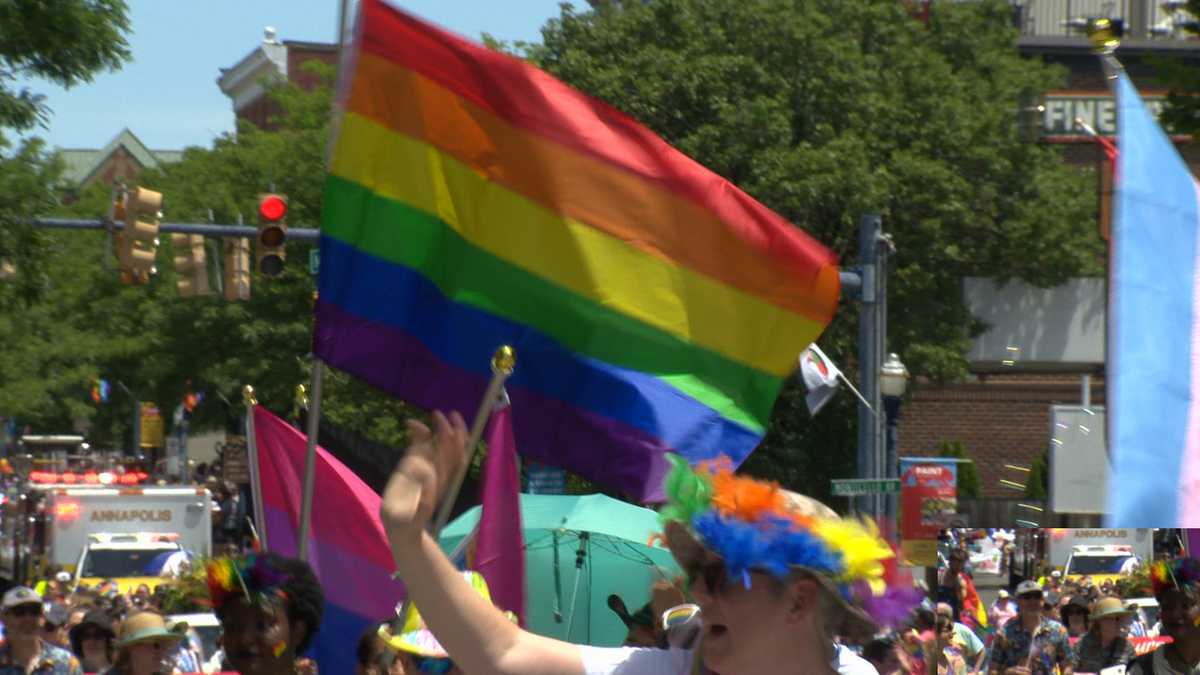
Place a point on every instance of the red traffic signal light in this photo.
(272, 233)
(272, 208)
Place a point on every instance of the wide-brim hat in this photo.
(416, 638)
(149, 626)
(1106, 607)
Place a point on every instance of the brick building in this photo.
(273, 61)
(122, 159)
(1046, 347)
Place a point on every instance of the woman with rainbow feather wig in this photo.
(777, 576)
(1176, 586)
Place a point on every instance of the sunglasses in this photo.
(26, 610)
(712, 572)
(432, 666)
(92, 635)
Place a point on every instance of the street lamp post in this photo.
(893, 381)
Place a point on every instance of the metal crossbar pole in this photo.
(208, 230)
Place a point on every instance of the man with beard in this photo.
(1176, 584)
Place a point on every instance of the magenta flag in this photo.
(500, 544)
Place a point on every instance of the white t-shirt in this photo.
(646, 661)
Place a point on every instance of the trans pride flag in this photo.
(1154, 328)
(474, 200)
(347, 547)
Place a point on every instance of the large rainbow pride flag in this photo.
(474, 200)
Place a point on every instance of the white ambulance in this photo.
(178, 517)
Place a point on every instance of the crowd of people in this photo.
(773, 582)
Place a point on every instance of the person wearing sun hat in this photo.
(1104, 646)
(1176, 586)
(416, 644)
(775, 577)
(145, 643)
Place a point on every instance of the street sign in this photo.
(314, 261)
(853, 487)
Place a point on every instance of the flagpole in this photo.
(310, 456)
(503, 362)
(252, 462)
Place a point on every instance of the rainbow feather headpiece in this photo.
(752, 525)
(1180, 573)
(252, 577)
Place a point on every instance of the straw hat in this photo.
(147, 626)
(1106, 607)
(416, 638)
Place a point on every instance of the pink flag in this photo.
(499, 544)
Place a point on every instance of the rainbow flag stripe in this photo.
(474, 200)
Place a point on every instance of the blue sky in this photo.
(168, 95)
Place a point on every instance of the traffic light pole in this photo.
(206, 229)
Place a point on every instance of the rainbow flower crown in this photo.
(751, 525)
(1180, 573)
(252, 577)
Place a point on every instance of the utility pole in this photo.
(868, 283)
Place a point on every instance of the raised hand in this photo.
(421, 478)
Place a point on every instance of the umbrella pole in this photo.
(558, 617)
(579, 556)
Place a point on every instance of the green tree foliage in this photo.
(1182, 112)
(1038, 485)
(825, 111)
(968, 474)
(152, 344)
(65, 42)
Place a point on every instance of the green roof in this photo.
(79, 165)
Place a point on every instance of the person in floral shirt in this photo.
(1031, 644)
(25, 652)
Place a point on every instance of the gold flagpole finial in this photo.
(504, 360)
(1105, 35)
(248, 396)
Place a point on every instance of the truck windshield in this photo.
(1097, 564)
(110, 564)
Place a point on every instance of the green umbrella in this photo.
(579, 549)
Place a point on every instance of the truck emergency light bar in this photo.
(134, 538)
(88, 478)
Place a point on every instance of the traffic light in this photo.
(137, 243)
(272, 234)
(237, 269)
(190, 264)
